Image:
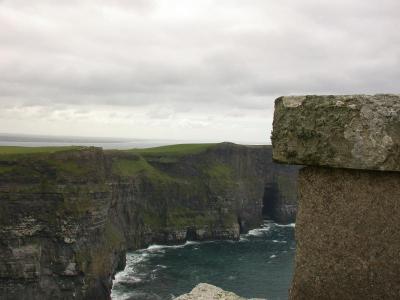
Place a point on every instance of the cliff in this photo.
(57, 240)
(67, 216)
(347, 229)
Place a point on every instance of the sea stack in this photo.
(347, 229)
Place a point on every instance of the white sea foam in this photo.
(286, 225)
(157, 247)
(129, 275)
(120, 296)
(258, 231)
(161, 266)
(272, 256)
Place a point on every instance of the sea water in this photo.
(259, 265)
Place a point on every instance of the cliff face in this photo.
(347, 228)
(67, 218)
(57, 240)
(211, 194)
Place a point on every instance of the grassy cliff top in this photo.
(81, 163)
(178, 149)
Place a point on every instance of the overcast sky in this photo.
(185, 69)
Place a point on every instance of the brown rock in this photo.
(348, 237)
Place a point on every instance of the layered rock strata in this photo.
(68, 217)
(347, 230)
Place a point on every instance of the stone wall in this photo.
(347, 228)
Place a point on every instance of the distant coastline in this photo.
(27, 140)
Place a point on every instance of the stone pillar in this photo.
(348, 222)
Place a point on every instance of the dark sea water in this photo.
(259, 265)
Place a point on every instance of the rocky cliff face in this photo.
(347, 227)
(57, 240)
(67, 218)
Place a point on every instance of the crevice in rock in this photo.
(191, 234)
(270, 200)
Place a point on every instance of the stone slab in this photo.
(355, 131)
(347, 234)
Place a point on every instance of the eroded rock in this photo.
(357, 131)
(205, 291)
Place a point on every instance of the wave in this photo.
(156, 247)
(260, 231)
(257, 232)
(285, 225)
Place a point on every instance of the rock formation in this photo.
(204, 291)
(347, 229)
(68, 217)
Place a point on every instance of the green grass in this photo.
(179, 149)
(44, 162)
(131, 167)
(219, 170)
(6, 169)
(5, 150)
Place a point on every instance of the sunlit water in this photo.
(259, 265)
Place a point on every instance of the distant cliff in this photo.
(67, 216)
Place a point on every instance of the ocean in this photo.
(105, 143)
(259, 265)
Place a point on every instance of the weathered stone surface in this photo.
(358, 131)
(205, 291)
(348, 237)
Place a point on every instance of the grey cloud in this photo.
(191, 57)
